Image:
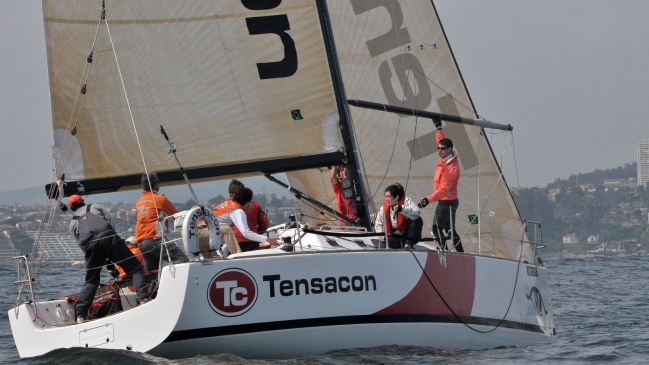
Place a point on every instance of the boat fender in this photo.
(62, 313)
(190, 229)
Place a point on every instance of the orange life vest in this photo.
(221, 211)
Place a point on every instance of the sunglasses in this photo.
(441, 148)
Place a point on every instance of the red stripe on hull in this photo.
(455, 282)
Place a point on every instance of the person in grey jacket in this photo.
(95, 234)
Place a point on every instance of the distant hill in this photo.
(628, 171)
(177, 194)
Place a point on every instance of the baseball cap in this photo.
(76, 198)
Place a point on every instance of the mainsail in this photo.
(250, 87)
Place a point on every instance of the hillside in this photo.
(603, 206)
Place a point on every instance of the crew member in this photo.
(403, 217)
(150, 211)
(345, 206)
(447, 175)
(232, 213)
(94, 232)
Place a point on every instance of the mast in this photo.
(351, 153)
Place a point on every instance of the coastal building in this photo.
(643, 163)
(570, 238)
(58, 247)
(9, 254)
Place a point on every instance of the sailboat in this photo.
(247, 88)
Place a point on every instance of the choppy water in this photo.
(601, 313)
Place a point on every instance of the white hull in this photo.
(373, 298)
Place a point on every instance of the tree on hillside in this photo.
(535, 206)
(644, 240)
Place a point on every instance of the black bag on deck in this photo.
(107, 302)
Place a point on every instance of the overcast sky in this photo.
(571, 77)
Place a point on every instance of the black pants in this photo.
(108, 246)
(150, 249)
(442, 227)
(413, 232)
(249, 246)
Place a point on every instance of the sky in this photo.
(570, 76)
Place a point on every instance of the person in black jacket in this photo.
(94, 232)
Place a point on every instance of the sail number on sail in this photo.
(273, 24)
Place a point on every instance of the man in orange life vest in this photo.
(232, 213)
(255, 216)
(338, 174)
(403, 217)
(447, 175)
(150, 209)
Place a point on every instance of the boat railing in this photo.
(24, 280)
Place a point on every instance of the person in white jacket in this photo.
(403, 215)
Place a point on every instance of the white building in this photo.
(643, 163)
(570, 238)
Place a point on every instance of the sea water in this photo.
(601, 308)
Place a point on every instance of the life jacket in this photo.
(136, 251)
(92, 227)
(387, 220)
(221, 211)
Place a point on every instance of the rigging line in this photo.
(327, 216)
(373, 195)
(449, 94)
(130, 112)
(520, 198)
(396, 136)
(478, 196)
(324, 184)
(67, 140)
(484, 205)
(361, 166)
(451, 309)
(405, 88)
(500, 176)
(518, 183)
(394, 146)
(41, 242)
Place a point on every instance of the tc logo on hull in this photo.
(232, 292)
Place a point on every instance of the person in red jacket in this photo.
(232, 213)
(344, 206)
(255, 216)
(447, 175)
